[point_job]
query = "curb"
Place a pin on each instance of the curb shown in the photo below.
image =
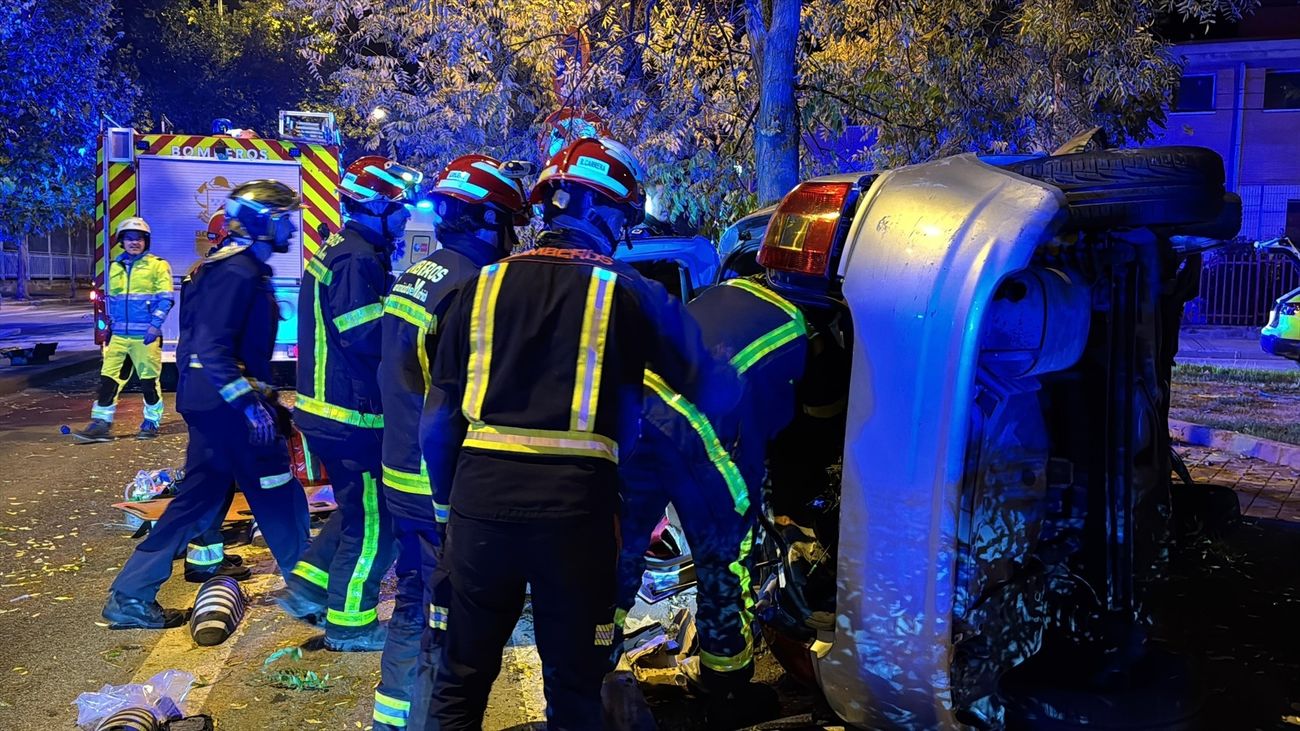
(1279, 453)
(75, 363)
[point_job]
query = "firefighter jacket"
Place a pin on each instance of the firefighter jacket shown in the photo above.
(228, 323)
(765, 339)
(139, 293)
(412, 310)
(537, 383)
(339, 335)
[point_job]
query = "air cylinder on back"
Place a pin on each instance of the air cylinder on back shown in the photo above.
(218, 609)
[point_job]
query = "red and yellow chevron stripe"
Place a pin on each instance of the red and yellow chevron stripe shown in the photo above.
(319, 170)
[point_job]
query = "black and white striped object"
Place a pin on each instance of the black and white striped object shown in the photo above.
(218, 609)
(129, 719)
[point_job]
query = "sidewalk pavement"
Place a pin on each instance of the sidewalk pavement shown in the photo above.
(67, 322)
(1235, 347)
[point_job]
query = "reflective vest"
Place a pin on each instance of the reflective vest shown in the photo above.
(765, 338)
(340, 338)
(140, 294)
(410, 328)
(541, 367)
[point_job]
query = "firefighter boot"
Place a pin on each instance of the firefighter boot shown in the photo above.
(301, 607)
(232, 566)
(148, 430)
(97, 430)
(123, 612)
(370, 638)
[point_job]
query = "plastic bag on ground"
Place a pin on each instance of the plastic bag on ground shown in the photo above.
(164, 694)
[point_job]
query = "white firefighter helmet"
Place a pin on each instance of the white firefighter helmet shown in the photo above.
(134, 223)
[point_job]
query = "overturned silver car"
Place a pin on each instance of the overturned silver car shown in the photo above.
(998, 486)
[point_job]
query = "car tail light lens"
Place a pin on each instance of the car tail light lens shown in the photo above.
(802, 231)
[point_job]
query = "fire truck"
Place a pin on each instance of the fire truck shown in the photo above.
(178, 182)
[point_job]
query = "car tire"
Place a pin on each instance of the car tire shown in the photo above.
(1157, 186)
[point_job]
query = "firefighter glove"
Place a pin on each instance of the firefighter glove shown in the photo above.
(152, 334)
(261, 425)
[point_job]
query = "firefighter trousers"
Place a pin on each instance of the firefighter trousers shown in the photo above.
(146, 360)
(218, 453)
(661, 471)
(569, 566)
(344, 565)
(405, 675)
(207, 550)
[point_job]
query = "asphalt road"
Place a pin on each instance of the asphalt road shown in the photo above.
(1231, 605)
(60, 545)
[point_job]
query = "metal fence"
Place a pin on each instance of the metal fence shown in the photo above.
(54, 255)
(1240, 288)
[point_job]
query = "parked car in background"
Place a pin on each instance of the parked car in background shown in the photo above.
(1281, 336)
(1001, 490)
(683, 264)
(739, 243)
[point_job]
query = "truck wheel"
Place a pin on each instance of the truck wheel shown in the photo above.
(1157, 186)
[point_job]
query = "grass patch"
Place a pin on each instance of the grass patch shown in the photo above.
(1255, 402)
(1289, 433)
(1241, 376)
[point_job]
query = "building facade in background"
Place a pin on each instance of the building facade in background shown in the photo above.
(1240, 96)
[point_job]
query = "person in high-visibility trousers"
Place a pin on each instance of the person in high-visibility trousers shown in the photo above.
(536, 391)
(228, 320)
(476, 207)
(339, 408)
(139, 297)
(712, 475)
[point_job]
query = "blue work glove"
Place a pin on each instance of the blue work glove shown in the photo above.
(261, 424)
(152, 334)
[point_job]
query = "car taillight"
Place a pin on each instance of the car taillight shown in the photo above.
(802, 231)
(94, 295)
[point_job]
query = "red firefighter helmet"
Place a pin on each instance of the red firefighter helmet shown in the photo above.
(599, 164)
(478, 180)
(375, 177)
(217, 227)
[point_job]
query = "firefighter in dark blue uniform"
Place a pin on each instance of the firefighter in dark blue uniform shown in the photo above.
(682, 457)
(339, 410)
(536, 392)
(228, 321)
(477, 207)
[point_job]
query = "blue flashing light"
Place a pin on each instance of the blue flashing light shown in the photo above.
(425, 205)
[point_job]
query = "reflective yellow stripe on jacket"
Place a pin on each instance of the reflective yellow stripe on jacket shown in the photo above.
(580, 439)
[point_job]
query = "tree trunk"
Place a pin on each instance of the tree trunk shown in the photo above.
(776, 138)
(24, 269)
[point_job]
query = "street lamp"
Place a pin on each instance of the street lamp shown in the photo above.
(378, 114)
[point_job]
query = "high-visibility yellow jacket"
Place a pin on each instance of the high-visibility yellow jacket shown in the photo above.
(139, 293)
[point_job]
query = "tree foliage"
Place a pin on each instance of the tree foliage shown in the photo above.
(680, 81)
(671, 79)
(58, 84)
(936, 77)
(197, 61)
